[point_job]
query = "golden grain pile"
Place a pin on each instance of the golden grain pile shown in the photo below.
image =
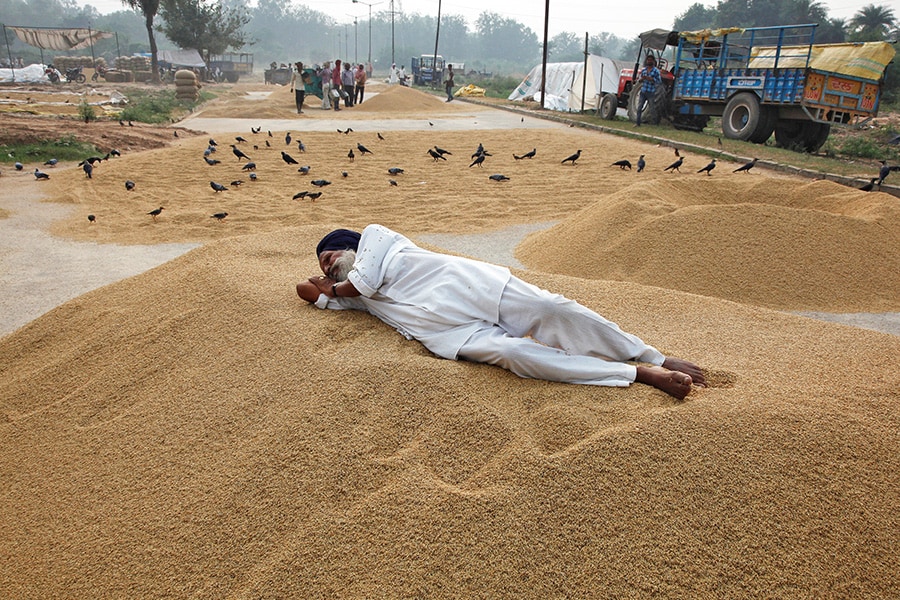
(198, 431)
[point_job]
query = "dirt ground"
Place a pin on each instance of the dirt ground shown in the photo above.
(195, 430)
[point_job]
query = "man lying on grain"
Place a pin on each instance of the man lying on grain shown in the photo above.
(466, 309)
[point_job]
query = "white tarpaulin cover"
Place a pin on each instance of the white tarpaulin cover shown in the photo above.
(565, 81)
(181, 58)
(48, 38)
(30, 74)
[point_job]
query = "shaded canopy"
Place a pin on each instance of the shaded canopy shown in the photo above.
(53, 38)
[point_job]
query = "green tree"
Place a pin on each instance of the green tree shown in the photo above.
(148, 8)
(872, 23)
(506, 39)
(209, 27)
(696, 17)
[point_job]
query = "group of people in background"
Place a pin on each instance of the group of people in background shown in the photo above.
(341, 82)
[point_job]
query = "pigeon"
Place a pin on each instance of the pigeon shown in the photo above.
(250, 166)
(92, 218)
(442, 152)
(478, 160)
(209, 150)
(237, 152)
(288, 158)
(212, 142)
(211, 161)
(240, 139)
(320, 182)
(350, 155)
(746, 166)
(19, 166)
(88, 169)
(708, 168)
(299, 195)
(129, 185)
(218, 187)
(869, 186)
(641, 163)
(526, 155)
(219, 216)
(363, 150)
(622, 164)
(392, 182)
(301, 146)
(287, 139)
(257, 130)
(395, 171)
(572, 158)
(314, 196)
(435, 155)
(499, 177)
(237, 182)
(40, 175)
(155, 212)
(675, 166)
(51, 163)
(304, 170)
(252, 176)
(380, 137)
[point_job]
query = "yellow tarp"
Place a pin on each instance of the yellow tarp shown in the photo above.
(469, 90)
(864, 60)
(704, 34)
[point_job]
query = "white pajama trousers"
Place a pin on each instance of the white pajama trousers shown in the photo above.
(542, 335)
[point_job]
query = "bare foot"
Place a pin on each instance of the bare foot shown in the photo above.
(674, 383)
(686, 367)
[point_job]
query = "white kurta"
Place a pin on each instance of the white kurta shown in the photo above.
(462, 308)
(437, 299)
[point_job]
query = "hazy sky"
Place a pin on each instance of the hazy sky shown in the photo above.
(624, 19)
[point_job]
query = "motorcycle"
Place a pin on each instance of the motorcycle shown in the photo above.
(52, 73)
(75, 74)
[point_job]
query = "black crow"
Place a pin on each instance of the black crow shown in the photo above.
(240, 139)
(395, 171)
(320, 182)
(40, 175)
(129, 185)
(442, 152)
(526, 155)
(299, 195)
(268, 145)
(380, 137)
(92, 218)
(363, 150)
(218, 187)
(869, 186)
(435, 155)
(155, 212)
(641, 163)
(288, 158)
(350, 155)
(622, 164)
(746, 166)
(240, 155)
(115, 152)
(344, 174)
(212, 142)
(250, 166)
(499, 177)
(478, 160)
(287, 139)
(219, 216)
(572, 158)
(708, 168)
(257, 130)
(675, 166)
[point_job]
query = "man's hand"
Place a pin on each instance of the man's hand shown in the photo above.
(310, 289)
(323, 284)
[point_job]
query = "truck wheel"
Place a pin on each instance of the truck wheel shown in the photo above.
(231, 77)
(652, 111)
(768, 117)
(741, 117)
(608, 106)
(801, 135)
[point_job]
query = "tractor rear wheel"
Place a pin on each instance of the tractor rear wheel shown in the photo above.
(741, 117)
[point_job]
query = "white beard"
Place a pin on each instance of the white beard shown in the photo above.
(343, 265)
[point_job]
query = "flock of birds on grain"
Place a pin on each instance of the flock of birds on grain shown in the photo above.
(437, 153)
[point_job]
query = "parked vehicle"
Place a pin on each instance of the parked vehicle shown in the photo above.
(75, 74)
(760, 80)
(427, 69)
(232, 66)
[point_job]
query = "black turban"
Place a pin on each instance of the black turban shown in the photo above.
(339, 239)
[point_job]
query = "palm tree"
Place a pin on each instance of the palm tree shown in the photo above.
(149, 8)
(872, 23)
